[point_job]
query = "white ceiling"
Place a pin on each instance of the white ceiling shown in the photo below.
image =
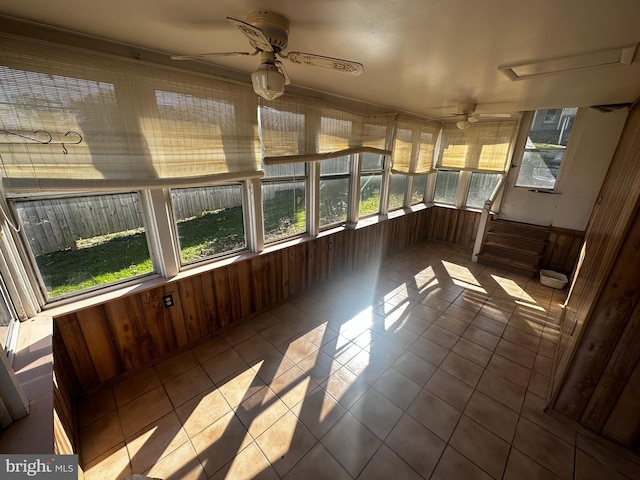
(420, 56)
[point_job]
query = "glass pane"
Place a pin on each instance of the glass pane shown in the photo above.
(335, 166)
(209, 221)
(84, 242)
(285, 170)
(419, 186)
(370, 194)
(334, 200)
(372, 162)
(551, 128)
(446, 185)
(546, 144)
(396, 196)
(481, 188)
(284, 211)
(539, 168)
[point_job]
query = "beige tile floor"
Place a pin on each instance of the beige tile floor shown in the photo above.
(427, 366)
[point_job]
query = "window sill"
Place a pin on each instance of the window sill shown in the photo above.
(453, 207)
(548, 191)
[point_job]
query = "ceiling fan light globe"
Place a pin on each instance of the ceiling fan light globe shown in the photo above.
(463, 124)
(268, 82)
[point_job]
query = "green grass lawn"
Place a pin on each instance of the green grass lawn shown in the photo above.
(111, 258)
(115, 257)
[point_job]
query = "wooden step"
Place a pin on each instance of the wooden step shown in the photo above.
(525, 230)
(513, 253)
(535, 246)
(521, 268)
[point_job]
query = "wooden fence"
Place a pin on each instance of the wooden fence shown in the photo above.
(52, 225)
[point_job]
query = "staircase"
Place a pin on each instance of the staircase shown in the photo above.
(513, 246)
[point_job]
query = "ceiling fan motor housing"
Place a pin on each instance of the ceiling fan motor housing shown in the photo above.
(466, 108)
(274, 26)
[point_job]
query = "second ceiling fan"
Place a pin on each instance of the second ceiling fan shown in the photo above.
(467, 110)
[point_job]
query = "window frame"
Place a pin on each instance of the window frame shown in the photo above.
(370, 173)
(210, 258)
(11, 340)
(403, 204)
(32, 270)
(261, 232)
(526, 124)
(349, 175)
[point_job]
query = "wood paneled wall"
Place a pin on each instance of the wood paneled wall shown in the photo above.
(597, 377)
(97, 344)
(562, 252)
(453, 226)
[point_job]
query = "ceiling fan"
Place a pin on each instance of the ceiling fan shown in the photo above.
(467, 110)
(268, 34)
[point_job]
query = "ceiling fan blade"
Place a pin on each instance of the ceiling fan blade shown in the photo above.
(283, 71)
(472, 119)
(494, 115)
(214, 54)
(336, 64)
(254, 34)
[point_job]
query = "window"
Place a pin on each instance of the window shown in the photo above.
(480, 188)
(209, 221)
(396, 195)
(370, 183)
(471, 161)
(284, 201)
(8, 322)
(334, 190)
(417, 191)
(446, 186)
(545, 149)
(550, 116)
(81, 242)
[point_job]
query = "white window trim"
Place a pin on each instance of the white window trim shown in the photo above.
(353, 212)
(520, 148)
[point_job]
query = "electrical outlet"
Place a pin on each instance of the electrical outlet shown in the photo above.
(330, 245)
(168, 300)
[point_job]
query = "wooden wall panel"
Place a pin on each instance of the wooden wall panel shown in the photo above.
(175, 314)
(193, 308)
(562, 252)
(235, 297)
(65, 388)
(223, 296)
(609, 318)
(618, 371)
(596, 381)
(453, 226)
(76, 347)
(245, 286)
(623, 425)
(158, 321)
(209, 297)
(130, 333)
(96, 332)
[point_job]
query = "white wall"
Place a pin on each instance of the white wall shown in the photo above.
(591, 147)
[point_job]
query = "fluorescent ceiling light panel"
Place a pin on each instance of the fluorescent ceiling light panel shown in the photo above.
(522, 71)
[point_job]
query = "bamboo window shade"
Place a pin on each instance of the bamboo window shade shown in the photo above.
(413, 147)
(482, 147)
(141, 125)
(296, 129)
